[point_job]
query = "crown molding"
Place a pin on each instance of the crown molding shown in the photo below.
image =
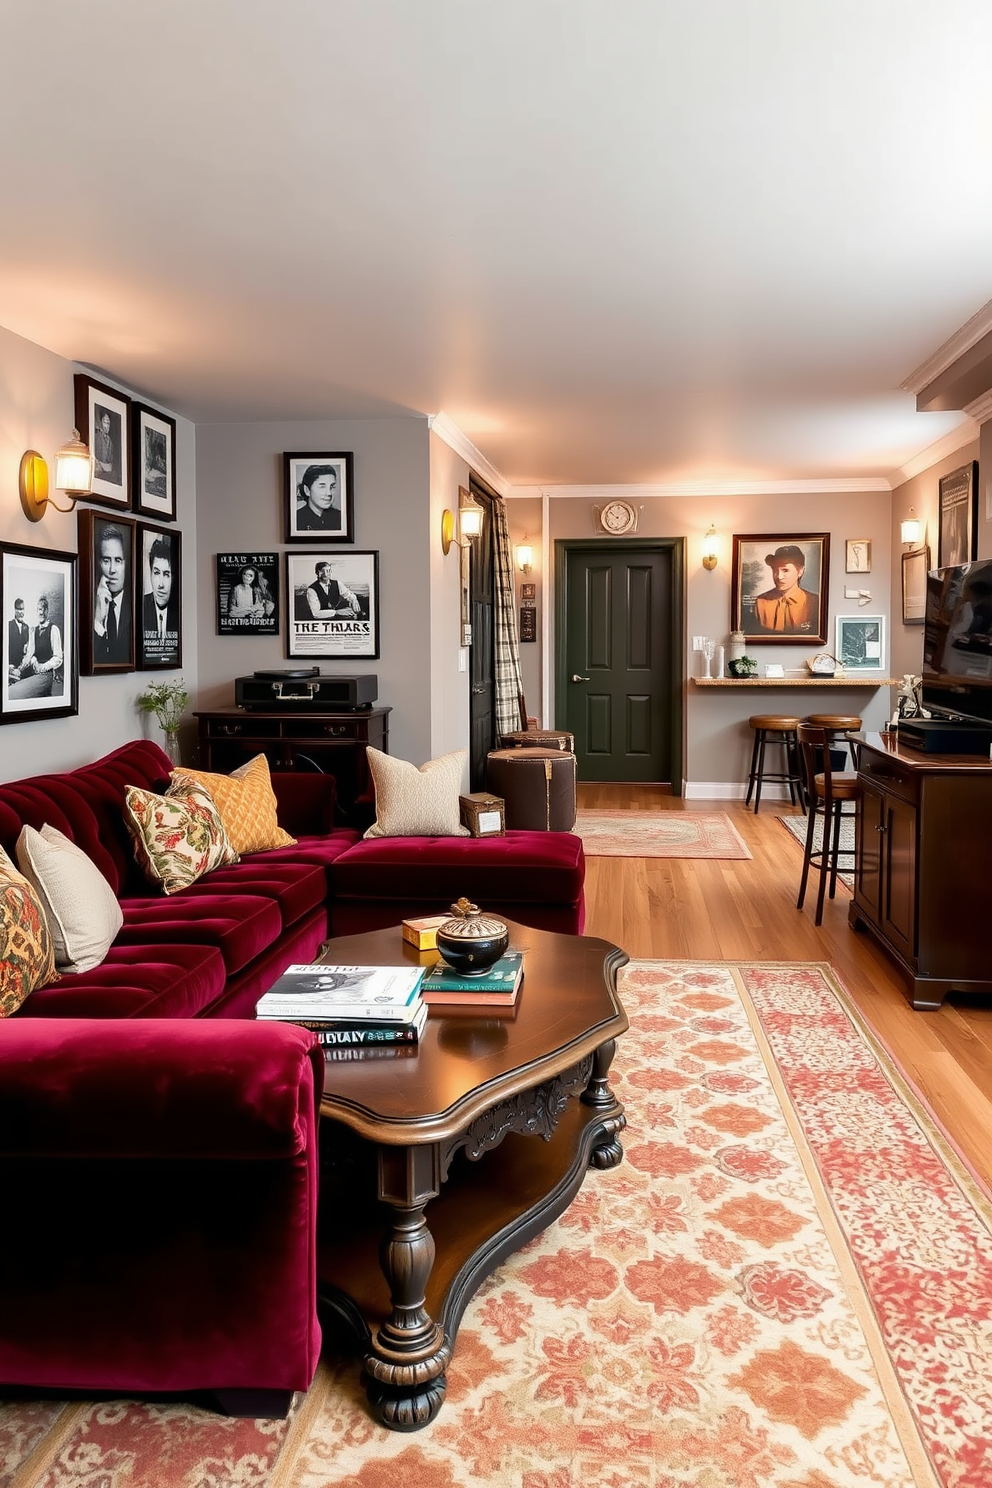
(955, 346)
(981, 408)
(446, 429)
(825, 486)
(965, 433)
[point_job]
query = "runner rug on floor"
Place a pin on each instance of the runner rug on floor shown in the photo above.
(796, 826)
(787, 1283)
(659, 834)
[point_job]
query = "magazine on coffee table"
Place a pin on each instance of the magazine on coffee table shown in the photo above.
(323, 993)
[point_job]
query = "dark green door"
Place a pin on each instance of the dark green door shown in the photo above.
(619, 646)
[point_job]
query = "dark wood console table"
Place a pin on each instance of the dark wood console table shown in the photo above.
(333, 743)
(924, 825)
(441, 1161)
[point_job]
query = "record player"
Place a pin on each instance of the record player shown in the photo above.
(306, 689)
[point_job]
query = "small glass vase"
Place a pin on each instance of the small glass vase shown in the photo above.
(172, 748)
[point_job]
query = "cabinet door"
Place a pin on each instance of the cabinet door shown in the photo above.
(868, 866)
(898, 903)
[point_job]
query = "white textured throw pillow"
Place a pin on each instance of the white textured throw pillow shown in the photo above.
(83, 913)
(417, 803)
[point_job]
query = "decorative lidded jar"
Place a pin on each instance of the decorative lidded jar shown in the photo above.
(472, 941)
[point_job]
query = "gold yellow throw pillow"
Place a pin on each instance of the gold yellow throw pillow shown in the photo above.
(178, 837)
(246, 803)
(27, 956)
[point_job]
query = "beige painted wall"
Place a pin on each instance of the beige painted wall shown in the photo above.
(449, 698)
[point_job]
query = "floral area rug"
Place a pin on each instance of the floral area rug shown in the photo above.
(659, 834)
(796, 827)
(787, 1283)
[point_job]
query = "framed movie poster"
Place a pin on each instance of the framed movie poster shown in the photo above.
(38, 602)
(103, 418)
(106, 593)
(320, 497)
(332, 603)
(247, 593)
(860, 643)
(779, 587)
(153, 441)
(957, 516)
(160, 599)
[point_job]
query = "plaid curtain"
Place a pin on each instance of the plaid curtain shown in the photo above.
(509, 683)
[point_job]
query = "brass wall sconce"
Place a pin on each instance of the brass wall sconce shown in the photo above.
(525, 556)
(910, 528)
(469, 526)
(73, 475)
(711, 548)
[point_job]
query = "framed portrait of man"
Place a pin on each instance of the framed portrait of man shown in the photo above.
(153, 441)
(319, 497)
(159, 631)
(40, 674)
(106, 593)
(779, 587)
(332, 601)
(103, 418)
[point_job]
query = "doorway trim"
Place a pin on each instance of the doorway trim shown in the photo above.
(675, 548)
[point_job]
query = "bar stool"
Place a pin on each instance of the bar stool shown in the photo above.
(844, 726)
(828, 791)
(780, 730)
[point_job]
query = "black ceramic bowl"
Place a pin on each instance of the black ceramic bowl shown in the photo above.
(471, 941)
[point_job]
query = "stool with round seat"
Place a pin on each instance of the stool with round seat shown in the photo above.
(778, 729)
(828, 791)
(845, 727)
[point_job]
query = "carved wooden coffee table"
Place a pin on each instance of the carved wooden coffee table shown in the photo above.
(430, 1171)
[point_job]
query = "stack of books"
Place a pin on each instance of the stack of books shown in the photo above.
(350, 1006)
(496, 987)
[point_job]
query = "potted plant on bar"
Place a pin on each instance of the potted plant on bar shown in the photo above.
(168, 701)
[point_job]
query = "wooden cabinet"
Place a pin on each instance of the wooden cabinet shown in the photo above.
(924, 829)
(331, 743)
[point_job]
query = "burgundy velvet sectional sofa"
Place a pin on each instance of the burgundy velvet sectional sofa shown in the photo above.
(158, 1148)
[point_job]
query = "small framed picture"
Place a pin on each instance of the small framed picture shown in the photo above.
(40, 655)
(319, 497)
(106, 593)
(332, 601)
(860, 643)
(247, 593)
(779, 587)
(528, 591)
(528, 623)
(103, 418)
(153, 445)
(857, 555)
(957, 514)
(160, 633)
(915, 567)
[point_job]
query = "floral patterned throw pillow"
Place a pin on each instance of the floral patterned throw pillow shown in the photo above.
(27, 957)
(178, 837)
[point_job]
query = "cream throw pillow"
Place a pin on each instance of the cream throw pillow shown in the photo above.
(417, 803)
(82, 909)
(246, 803)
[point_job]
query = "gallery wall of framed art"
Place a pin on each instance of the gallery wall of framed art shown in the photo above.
(40, 665)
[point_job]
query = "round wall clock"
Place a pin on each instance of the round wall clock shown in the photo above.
(618, 517)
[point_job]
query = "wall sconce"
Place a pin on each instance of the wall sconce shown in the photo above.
(711, 548)
(469, 525)
(525, 556)
(910, 528)
(73, 475)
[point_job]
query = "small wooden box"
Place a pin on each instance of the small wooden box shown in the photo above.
(483, 814)
(422, 933)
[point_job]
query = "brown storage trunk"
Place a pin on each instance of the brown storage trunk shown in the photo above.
(538, 787)
(539, 739)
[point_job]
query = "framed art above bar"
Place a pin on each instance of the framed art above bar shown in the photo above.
(320, 497)
(247, 593)
(103, 418)
(332, 602)
(860, 643)
(153, 441)
(40, 677)
(957, 516)
(779, 587)
(106, 593)
(160, 594)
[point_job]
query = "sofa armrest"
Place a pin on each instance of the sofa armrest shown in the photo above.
(161, 1088)
(305, 802)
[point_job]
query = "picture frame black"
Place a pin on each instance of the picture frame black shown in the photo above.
(915, 567)
(158, 592)
(106, 574)
(785, 604)
(103, 418)
(319, 497)
(40, 670)
(247, 590)
(329, 623)
(957, 516)
(153, 453)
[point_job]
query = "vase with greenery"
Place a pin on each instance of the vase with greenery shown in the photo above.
(168, 701)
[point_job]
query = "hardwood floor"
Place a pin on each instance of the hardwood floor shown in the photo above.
(717, 909)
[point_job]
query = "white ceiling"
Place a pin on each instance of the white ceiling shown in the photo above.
(614, 240)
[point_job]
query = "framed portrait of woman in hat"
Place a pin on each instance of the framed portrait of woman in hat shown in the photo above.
(779, 588)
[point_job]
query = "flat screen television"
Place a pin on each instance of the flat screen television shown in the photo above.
(957, 642)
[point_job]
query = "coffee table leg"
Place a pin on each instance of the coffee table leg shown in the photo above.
(406, 1361)
(608, 1152)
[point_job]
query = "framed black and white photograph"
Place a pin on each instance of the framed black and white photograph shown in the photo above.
(857, 555)
(779, 587)
(319, 497)
(332, 602)
(957, 516)
(103, 418)
(38, 601)
(247, 593)
(106, 593)
(159, 592)
(860, 643)
(153, 442)
(915, 567)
